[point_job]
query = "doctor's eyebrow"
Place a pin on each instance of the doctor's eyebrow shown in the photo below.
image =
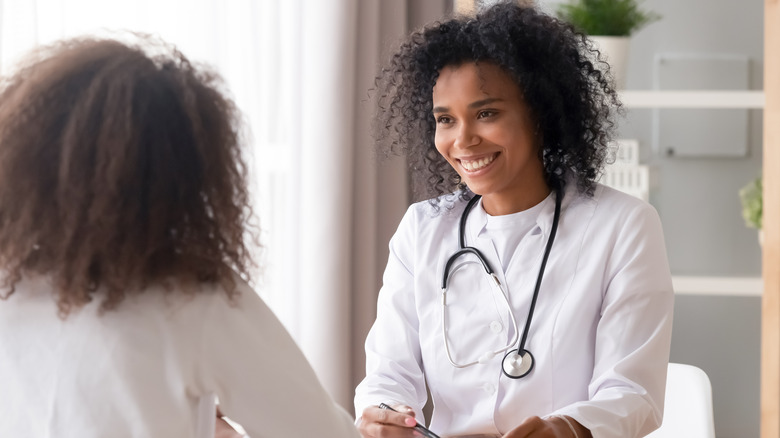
(472, 105)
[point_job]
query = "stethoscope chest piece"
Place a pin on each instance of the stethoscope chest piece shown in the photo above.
(517, 365)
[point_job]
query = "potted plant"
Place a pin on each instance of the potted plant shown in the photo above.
(751, 197)
(609, 24)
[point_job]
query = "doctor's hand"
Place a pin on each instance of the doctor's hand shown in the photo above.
(384, 423)
(551, 427)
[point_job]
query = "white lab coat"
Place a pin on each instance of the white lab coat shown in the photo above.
(600, 333)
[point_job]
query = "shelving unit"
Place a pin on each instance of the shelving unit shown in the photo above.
(702, 285)
(724, 286)
(692, 99)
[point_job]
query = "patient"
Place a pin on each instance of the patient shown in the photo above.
(123, 262)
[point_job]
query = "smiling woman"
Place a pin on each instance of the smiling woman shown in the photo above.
(528, 299)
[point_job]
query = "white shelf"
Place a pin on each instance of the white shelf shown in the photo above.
(692, 99)
(729, 286)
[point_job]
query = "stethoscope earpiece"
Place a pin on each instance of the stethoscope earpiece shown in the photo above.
(517, 365)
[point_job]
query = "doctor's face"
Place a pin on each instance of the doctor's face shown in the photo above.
(484, 129)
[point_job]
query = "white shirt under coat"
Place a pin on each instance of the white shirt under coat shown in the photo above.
(600, 333)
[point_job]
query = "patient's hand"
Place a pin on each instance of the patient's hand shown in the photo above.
(223, 429)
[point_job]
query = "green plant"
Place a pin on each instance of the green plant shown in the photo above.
(752, 203)
(606, 17)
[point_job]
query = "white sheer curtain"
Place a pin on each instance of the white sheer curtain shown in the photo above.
(253, 45)
(300, 71)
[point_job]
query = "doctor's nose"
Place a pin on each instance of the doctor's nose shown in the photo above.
(466, 136)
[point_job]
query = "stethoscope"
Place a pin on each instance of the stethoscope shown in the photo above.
(519, 362)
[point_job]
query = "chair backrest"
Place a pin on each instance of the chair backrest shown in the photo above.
(687, 405)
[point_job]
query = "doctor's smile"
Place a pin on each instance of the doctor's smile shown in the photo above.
(474, 165)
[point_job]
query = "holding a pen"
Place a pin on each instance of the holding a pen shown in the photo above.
(416, 426)
(401, 420)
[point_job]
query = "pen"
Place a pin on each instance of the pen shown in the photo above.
(419, 428)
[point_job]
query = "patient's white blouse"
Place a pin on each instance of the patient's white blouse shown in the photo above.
(600, 333)
(153, 367)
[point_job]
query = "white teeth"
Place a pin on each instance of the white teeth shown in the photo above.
(471, 166)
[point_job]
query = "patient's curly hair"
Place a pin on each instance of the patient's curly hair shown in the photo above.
(570, 98)
(120, 166)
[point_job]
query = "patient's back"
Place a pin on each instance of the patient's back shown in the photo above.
(152, 368)
(135, 372)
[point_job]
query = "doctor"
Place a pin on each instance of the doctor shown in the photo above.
(532, 301)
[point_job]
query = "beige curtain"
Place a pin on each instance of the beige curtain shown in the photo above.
(351, 202)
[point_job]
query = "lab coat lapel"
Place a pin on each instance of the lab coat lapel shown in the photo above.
(471, 317)
(546, 216)
(476, 224)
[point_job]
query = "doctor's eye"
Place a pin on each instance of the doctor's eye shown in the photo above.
(486, 113)
(443, 120)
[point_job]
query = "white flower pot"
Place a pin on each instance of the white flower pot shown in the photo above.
(614, 50)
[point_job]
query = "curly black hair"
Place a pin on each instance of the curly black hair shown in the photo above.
(570, 94)
(120, 166)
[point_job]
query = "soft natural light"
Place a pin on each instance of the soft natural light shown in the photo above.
(252, 45)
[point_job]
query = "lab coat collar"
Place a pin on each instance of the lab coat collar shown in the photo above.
(546, 216)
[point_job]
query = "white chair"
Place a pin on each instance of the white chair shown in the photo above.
(687, 405)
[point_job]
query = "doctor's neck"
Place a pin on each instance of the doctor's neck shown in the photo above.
(500, 204)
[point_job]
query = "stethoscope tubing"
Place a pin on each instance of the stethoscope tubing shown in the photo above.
(547, 249)
(515, 337)
(463, 249)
